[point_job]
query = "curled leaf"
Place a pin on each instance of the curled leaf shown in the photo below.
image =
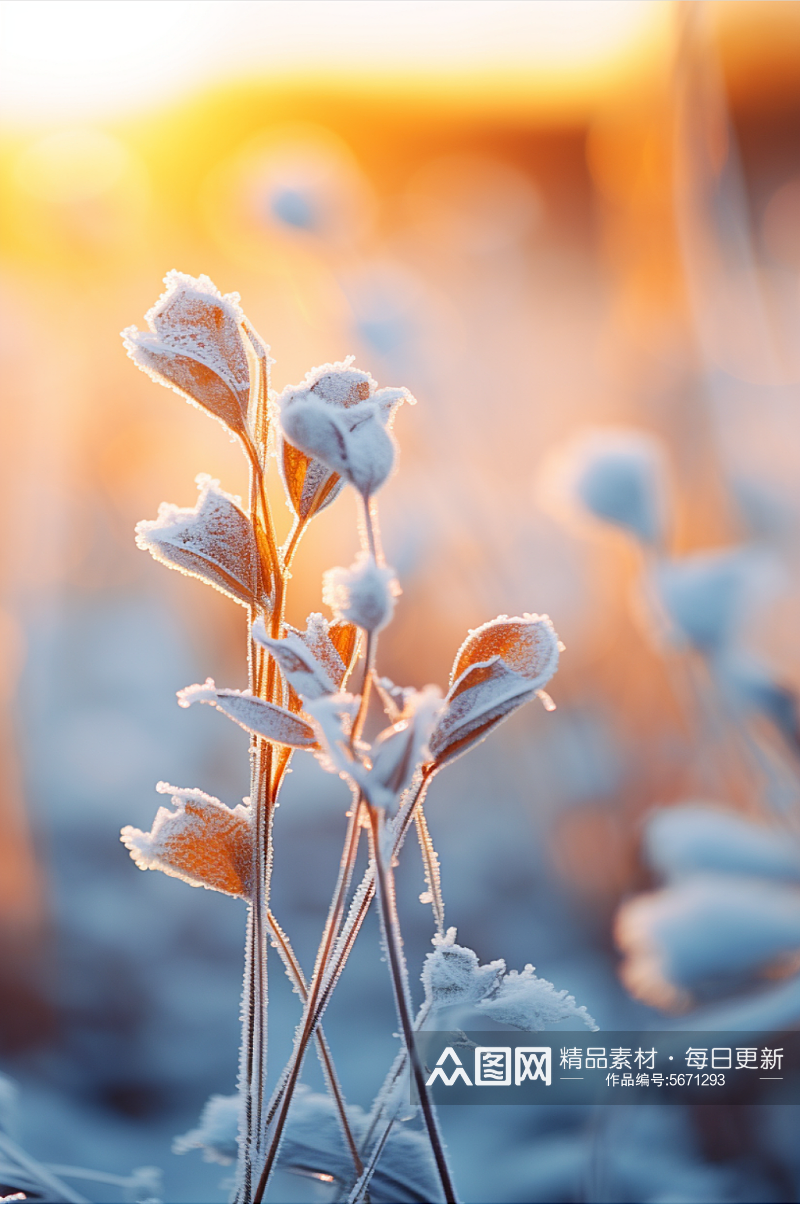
(203, 842)
(213, 541)
(452, 975)
(310, 485)
(255, 715)
(195, 345)
(500, 666)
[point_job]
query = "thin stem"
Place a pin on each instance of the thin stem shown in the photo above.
(295, 973)
(329, 935)
(390, 924)
(430, 861)
(366, 689)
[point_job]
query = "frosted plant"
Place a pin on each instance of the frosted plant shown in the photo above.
(727, 916)
(332, 430)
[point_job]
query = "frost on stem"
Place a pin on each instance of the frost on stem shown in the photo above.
(452, 976)
(335, 425)
(364, 594)
(500, 666)
(213, 540)
(315, 662)
(203, 842)
(255, 715)
(196, 346)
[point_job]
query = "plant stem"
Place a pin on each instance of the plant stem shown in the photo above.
(295, 973)
(283, 1097)
(390, 924)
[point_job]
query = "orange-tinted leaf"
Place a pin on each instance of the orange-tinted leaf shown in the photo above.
(203, 842)
(527, 644)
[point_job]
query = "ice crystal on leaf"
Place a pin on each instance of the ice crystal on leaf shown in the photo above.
(524, 1000)
(500, 666)
(203, 842)
(364, 594)
(452, 974)
(255, 715)
(213, 541)
(197, 346)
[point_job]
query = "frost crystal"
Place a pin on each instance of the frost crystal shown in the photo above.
(196, 346)
(203, 842)
(364, 594)
(254, 714)
(214, 541)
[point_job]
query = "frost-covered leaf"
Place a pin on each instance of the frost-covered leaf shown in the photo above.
(364, 594)
(214, 541)
(526, 644)
(254, 714)
(216, 1135)
(299, 666)
(314, 1143)
(203, 842)
(500, 666)
(195, 345)
(682, 841)
(452, 975)
(337, 419)
(524, 1000)
(400, 749)
(310, 485)
(702, 928)
(332, 717)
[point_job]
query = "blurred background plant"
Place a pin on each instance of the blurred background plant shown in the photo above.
(546, 219)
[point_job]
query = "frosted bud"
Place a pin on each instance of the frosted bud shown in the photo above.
(203, 842)
(501, 665)
(705, 597)
(197, 344)
(618, 476)
(693, 838)
(701, 928)
(264, 719)
(364, 594)
(334, 427)
(213, 541)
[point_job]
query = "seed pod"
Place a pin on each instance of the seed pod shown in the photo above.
(213, 541)
(500, 666)
(204, 842)
(364, 594)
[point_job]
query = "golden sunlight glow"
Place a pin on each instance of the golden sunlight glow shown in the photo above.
(73, 58)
